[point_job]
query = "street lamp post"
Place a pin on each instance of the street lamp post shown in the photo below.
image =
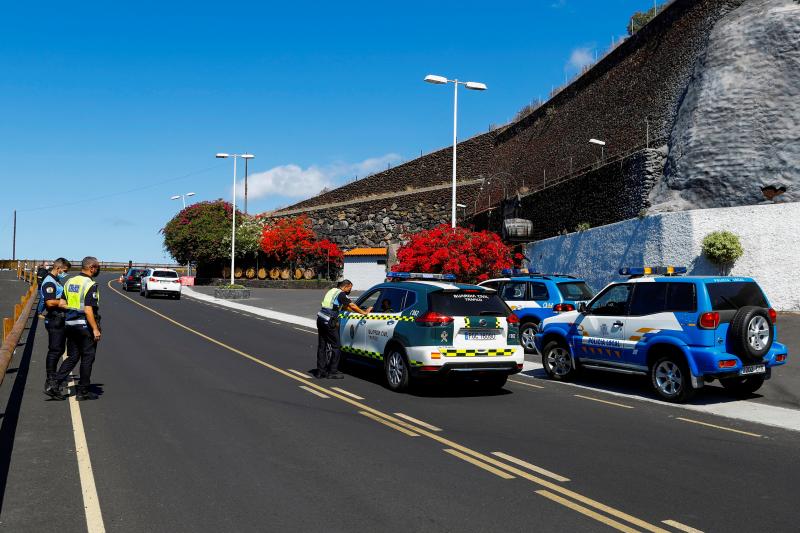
(183, 198)
(602, 145)
(472, 85)
(233, 225)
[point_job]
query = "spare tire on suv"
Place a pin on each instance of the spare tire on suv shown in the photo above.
(751, 333)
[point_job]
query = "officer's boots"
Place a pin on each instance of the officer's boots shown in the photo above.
(83, 394)
(53, 389)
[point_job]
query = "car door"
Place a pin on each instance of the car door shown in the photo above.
(601, 333)
(353, 326)
(383, 319)
(657, 308)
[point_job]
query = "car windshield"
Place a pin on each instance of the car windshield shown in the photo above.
(165, 274)
(575, 290)
(468, 303)
(136, 272)
(730, 296)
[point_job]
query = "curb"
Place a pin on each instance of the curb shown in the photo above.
(266, 313)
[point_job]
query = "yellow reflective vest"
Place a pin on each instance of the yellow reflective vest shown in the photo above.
(75, 290)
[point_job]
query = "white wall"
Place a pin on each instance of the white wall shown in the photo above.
(770, 235)
(364, 271)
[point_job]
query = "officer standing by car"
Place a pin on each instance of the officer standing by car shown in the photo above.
(51, 302)
(334, 302)
(82, 326)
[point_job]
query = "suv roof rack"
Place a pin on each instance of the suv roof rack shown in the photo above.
(411, 276)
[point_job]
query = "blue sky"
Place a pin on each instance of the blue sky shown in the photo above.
(108, 109)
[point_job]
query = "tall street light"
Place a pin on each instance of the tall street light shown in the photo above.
(602, 145)
(472, 85)
(182, 197)
(233, 225)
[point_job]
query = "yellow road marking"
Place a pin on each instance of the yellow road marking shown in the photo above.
(585, 511)
(303, 374)
(347, 393)
(91, 503)
(418, 422)
(479, 464)
(526, 384)
(389, 424)
(433, 436)
(603, 401)
(312, 391)
(718, 427)
(681, 527)
(530, 466)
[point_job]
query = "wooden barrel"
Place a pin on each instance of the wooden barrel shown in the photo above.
(250, 273)
(262, 273)
(286, 273)
(308, 273)
(237, 273)
(226, 272)
(274, 273)
(298, 273)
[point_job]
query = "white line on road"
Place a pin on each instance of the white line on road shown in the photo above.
(526, 384)
(301, 374)
(312, 391)
(347, 393)
(305, 330)
(681, 527)
(418, 422)
(603, 401)
(717, 427)
(529, 466)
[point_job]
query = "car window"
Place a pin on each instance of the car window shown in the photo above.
(613, 301)
(390, 301)
(165, 274)
(539, 291)
(681, 297)
(468, 303)
(410, 300)
(370, 300)
(575, 291)
(649, 298)
(730, 296)
(514, 290)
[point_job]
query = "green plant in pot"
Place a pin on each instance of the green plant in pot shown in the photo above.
(722, 248)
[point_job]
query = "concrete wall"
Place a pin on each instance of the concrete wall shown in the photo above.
(770, 235)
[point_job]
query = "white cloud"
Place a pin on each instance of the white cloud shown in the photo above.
(293, 181)
(580, 58)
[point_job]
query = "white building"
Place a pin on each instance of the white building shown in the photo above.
(365, 267)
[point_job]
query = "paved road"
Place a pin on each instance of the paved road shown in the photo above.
(10, 291)
(203, 427)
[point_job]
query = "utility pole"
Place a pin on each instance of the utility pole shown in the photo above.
(14, 239)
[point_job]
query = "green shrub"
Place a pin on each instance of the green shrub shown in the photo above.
(229, 286)
(722, 247)
(583, 226)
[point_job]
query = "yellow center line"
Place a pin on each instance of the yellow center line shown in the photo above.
(302, 374)
(418, 422)
(585, 511)
(389, 424)
(312, 391)
(526, 384)
(603, 401)
(347, 393)
(529, 466)
(479, 464)
(433, 436)
(718, 427)
(681, 527)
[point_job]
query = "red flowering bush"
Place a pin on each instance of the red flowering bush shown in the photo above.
(291, 240)
(201, 232)
(470, 255)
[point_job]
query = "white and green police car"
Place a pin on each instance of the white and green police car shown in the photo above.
(425, 325)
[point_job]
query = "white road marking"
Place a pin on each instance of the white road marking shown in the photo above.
(718, 427)
(418, 422)
(312, 391)
(681, 527)
(301, 374)
(305, 330)
(479, 464)
(386, 423)
(529, 466)
(347, 393)
(603, 401)
(526, 384)
(91, 503)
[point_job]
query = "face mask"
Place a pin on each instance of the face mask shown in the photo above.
(62, 276)
(96, 272)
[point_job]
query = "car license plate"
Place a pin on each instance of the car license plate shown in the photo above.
(752, 369)
(479, 336)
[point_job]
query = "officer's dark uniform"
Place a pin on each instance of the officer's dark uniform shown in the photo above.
(51, 289)
(328, 332)
(80, 291)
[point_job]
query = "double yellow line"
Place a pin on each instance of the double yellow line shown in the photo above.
(554, 492)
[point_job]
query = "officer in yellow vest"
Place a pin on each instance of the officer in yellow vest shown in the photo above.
(82, 326)
(334, 302)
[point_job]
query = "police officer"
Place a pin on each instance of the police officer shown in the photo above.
(82, 326)
(51, 302)
(334, 302)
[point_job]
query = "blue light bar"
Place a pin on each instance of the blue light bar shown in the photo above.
(419, 275)
(518, 272)
(647, 271)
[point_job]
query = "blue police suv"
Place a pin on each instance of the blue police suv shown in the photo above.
(680, 331)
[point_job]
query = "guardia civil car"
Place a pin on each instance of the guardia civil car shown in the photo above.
(534, 297)
(425, 325)
(682, 332)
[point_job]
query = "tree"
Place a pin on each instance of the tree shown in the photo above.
(198, 233)
(640, 18)
(248, 236)
(470, 255)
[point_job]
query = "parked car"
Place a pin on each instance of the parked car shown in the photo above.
(534, 297)
(426, 326)
(132, 279)
(682, 332)
(161, 281)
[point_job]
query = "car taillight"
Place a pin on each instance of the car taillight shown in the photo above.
(432, 319)
(709, 320)
(772, 315)
(130, 278)
(152, 279)
(563, 308)
(512, 319)
(727, 363)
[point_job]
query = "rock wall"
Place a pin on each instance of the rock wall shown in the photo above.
(737, 127)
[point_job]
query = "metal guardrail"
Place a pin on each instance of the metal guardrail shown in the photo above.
(29, 265)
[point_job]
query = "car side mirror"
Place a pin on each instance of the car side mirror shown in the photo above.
(582, 307)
